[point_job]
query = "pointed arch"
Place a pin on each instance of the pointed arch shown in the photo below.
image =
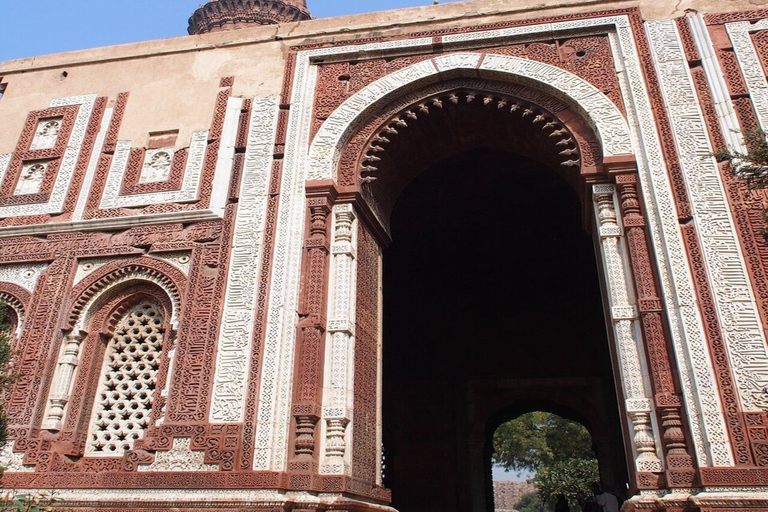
(17, 299)
(89, 293)
(125, 308)
(600, 113)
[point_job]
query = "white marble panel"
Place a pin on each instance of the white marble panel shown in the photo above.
(233, 357)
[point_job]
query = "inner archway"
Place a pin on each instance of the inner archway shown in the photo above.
(491, 298)
(542, 461)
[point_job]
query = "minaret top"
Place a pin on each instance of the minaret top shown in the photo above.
(217, 15)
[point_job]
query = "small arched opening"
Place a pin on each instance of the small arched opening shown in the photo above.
(538, 448)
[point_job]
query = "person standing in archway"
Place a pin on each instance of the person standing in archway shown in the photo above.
(606, 500)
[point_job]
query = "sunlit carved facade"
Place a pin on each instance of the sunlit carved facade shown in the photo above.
(199, 247)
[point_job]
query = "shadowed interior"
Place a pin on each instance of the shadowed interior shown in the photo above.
(492, 305)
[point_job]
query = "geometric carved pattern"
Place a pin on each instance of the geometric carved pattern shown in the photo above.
(179, 458)
(687, 326)
(624, 318)
(168, 277)
(588, 57)
(734, 300)
(628, 45)
(124, 399)
(234, 349)
(25, 275)
(366, 449)
(339, 363)
(124, 158)
(47, 158)
(274, 399)
(162, 171)
(750, 65)
(674, 439)
(280, 340)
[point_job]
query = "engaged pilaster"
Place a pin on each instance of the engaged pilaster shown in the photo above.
(338, 381)
(62, 380)
(626, 331)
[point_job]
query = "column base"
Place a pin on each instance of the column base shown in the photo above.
(200, 500)
(709, 500)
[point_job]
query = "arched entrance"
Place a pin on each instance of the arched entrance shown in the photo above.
(491, 300)
(359, 166)
(558, 451)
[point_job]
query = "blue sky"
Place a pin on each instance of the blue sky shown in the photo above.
(38, 27)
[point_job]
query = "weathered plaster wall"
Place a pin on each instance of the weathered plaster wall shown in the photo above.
(166, 77)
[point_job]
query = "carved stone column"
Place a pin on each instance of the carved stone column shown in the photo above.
(339, 355)
(680, 470)
(61, 387)
(309, 360)
(626, 331)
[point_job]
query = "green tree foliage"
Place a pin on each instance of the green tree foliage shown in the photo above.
(570, 477)
(531, 502)
(538, 439)
(557, 450)
(752, 165)
(7, 375)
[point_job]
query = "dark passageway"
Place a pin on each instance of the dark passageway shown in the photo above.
(491, 296)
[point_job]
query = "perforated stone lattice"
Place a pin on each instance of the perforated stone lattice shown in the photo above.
(127, 384)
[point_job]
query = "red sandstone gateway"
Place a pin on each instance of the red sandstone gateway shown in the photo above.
(242, 266)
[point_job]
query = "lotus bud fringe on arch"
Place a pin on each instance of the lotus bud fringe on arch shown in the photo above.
(218, 15)
(568, 148)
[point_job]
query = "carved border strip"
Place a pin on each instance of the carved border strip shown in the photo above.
(366, 449)
(132, 185)
(236, 334)
(24, 398)
(17, 299)
(90, 173)
(68, 163)
(343, 122)
(77, 185)
(704, 412)
(624, 315)
(24, 155)
(722, 258)
(341, 308)
(111, 197)
(5, 162)
(273, 415)
(749, 63)
(149, 499)
(166, 276)
(726, 115)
